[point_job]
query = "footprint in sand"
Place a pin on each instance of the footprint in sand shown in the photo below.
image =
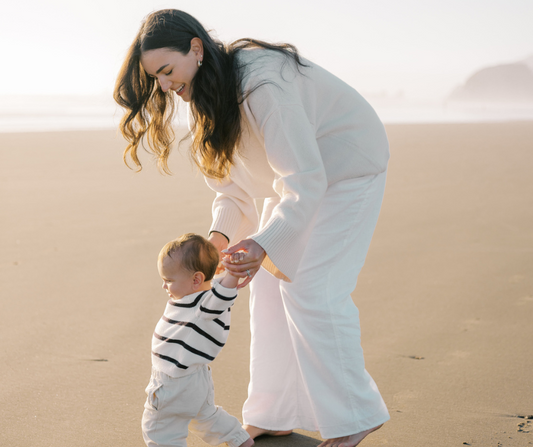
(524, 427)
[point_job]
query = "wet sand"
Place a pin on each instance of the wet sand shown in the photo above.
(446, 295)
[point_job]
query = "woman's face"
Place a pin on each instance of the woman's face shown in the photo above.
(174, 70)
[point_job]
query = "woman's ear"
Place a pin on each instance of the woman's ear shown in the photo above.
(197, 280)
(197, 46)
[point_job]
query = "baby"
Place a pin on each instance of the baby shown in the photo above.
(189, 335)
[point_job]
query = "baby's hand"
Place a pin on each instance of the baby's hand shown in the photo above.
(235, 258)
(231, 281)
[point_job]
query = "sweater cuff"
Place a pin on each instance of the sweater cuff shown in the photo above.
(215, 231)
(227, 292)
(280, 242)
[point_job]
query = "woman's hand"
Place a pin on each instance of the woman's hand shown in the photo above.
(221, 243)
(248, 265)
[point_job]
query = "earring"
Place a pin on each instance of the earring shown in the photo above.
(200, 62)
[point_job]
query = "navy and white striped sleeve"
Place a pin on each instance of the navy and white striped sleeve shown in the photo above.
(216, 301)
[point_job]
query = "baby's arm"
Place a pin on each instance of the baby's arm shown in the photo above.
(222, 295)
(229, 281)
(220, 298)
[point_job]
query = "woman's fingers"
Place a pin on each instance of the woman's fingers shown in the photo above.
(242, 268)
(235, 258)
(240, 261)
(254, 252)
(244, 283)
(243, 260)
(242, 245)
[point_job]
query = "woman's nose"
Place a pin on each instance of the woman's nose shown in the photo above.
(165, 85)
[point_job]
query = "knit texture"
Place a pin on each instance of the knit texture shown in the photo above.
(302, 131)
(192, 330)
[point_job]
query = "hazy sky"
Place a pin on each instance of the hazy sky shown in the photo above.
(423, 48)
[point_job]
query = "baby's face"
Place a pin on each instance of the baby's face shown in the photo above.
(177, 281)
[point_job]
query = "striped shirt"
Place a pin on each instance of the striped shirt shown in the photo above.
(193, 330)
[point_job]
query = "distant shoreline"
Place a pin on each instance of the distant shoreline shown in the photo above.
(60, 114)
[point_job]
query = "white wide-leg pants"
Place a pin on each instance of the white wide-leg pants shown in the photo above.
(307, 367)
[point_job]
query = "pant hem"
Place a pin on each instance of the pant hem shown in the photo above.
(238, 439)
(353, 428)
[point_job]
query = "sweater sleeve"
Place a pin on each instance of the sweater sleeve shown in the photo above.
(294, 156)
(216, 301)
(234, 211)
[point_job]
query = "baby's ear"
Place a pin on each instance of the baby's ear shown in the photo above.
(198, 279)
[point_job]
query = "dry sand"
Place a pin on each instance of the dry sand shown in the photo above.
(446, 295)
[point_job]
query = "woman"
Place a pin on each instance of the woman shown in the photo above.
(268, 124)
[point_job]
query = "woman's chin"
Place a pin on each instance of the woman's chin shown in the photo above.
(185, 96)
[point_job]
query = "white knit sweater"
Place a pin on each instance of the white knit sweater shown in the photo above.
(193, 330)
(301, 132)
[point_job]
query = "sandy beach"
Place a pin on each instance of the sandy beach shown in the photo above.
(446, 294)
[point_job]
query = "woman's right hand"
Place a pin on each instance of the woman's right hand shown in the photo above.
(244, 266)
(221, 243)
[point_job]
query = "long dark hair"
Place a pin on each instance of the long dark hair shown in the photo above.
(216, 93)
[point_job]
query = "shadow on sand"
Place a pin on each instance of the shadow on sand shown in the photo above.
(292, 440)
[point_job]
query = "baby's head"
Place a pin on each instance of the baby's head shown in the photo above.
(187, 265)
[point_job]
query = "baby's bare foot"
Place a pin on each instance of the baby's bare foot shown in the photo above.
(348, 441)
(254, 432)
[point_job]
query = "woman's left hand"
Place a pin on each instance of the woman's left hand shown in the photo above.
(249, 265)
(221, 243)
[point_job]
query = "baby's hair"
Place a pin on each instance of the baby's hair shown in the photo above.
(194, 252)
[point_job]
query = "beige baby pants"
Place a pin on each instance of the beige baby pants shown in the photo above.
(176, 405)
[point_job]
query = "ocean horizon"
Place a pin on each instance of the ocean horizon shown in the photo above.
(71, 113)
